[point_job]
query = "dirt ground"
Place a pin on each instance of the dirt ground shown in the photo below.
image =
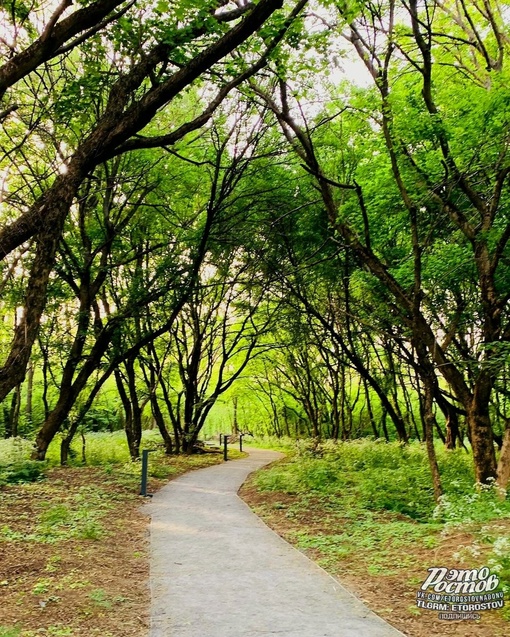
(74, 554)
(391, 595)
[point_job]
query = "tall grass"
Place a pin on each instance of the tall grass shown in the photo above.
(101, 449)
(271, 442)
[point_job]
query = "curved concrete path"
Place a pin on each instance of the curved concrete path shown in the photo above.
(218, 571)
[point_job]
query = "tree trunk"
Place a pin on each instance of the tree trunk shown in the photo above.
(69, 392)
(429, 424)
(160, 422)
(235, 424)
(136, 433)
(30, 394)
(388, 409)
(15, 409)
(65, 445)
(83, 447)
(189, 440)
(7, 411)
(480, 429)
(51, 425)
(14, 370)
(370, 411)
(383, 424)
(285, 417)
(452, 420)
(430, 385)
(504, 460)
(133, 423)
(45, 370)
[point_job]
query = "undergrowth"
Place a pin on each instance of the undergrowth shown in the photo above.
(15, 463)
(278, 443)
(379, 497)
(380, 476)
(107, 450)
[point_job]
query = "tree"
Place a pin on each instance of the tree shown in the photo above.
(134, 252)
(156, 75)
(435, 176)
(219, 331)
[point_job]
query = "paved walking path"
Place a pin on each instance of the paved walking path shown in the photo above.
(218, 571)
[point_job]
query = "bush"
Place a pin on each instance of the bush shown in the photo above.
(478, 503)
(15, 463)
(28, 471)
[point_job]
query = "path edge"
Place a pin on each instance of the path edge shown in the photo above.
(335, 580)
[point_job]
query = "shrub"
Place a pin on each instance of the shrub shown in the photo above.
(478, 503)
(15, 463)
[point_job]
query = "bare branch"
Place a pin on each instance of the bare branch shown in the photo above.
(54, 18)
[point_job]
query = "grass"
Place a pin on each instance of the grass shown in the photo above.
(282, 443)
(15, 463)
(365, 511)
(9, 632)
(106, 450)
(380, 476)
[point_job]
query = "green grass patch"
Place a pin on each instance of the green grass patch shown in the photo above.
(282, 443)
(5, 631)
(376, 537)
(106, 450)
(76, 517)
(67, 527)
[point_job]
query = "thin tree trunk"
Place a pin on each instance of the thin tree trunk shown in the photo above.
(383, 424)
(83, 448)
(30, 394)
(235, 424)
(6, 421)
(429, 421)
(430, 385)
(368, 402)
(128, 412)
(134, 434)
(8, 417)
(16, 405)
(160, 422)
(65, 446)
(45, 368)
